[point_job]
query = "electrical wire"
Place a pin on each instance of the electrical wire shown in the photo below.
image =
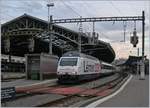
(91, 25)
(104, 35)
(70, 7)
(115, 7)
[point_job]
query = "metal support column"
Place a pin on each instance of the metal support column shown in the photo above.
(50, 36)
(79, 36)
(50, 27)
(143, 32)
(143, 37)
(93, 34)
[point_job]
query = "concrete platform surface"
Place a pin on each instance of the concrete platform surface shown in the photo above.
(9, 75)
(24, 82)
(135, 94)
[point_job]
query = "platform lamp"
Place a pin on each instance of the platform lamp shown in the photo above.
(50, 26)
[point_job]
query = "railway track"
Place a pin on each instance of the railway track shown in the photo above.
(68, 95)
(100, 91)
(28, 89)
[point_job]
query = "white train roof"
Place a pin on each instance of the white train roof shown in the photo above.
(77, 54)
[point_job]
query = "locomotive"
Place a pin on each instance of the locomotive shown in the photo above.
(75, 67)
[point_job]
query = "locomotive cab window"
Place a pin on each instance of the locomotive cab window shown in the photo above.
(68, 62)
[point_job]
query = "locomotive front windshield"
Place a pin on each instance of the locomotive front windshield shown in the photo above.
(68, 62)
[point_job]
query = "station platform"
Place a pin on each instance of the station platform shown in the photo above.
(25, 83)
(12, 75)
(134, 94)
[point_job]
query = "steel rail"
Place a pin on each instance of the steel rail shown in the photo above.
(72, 99)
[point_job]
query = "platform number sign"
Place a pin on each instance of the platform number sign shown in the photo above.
(7, 94)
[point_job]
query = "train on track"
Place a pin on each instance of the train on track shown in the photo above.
(75, 67)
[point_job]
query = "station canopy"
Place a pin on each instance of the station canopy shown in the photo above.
(25, 27)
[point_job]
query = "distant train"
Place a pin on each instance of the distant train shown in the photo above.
(75, 67)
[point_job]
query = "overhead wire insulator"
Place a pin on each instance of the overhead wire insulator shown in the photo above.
(134, 31)
(80, 26)
(135, 25)
(113, 23)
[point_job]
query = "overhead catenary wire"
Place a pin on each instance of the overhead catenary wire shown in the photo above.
(124, 22)
(73, 11)
(70, 8)
(118, 10)
(104, 35)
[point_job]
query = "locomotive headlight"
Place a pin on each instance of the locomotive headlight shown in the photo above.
(73, 72)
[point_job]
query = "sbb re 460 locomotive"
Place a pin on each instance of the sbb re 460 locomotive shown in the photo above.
(74, 67)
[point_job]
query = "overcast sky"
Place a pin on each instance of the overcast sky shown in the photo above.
(111, 32)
